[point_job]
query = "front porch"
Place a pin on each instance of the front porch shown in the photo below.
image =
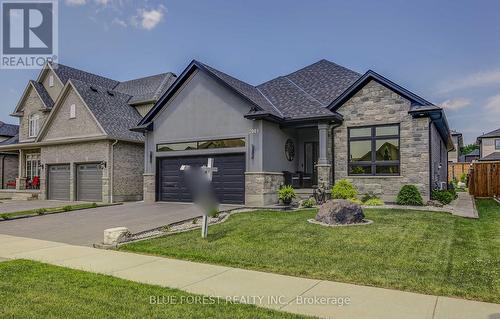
(21, 178)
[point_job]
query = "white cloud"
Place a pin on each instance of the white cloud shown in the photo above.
(479, 79)
(119, 22)
(493, 104)
(75, 3)
(102, 2)
(148, 19)
(456, 104)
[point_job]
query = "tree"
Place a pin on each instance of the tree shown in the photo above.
(469, 148)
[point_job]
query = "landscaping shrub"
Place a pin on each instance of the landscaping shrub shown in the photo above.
(94, 205)
(355, 201)
(409, 195)
(367, 197)
(308, 203)
(40, 211)
(344, 189)
(463, 178)
(67, 208)
(5, 216)
(286, 194)
(374, 202)
(443, 196)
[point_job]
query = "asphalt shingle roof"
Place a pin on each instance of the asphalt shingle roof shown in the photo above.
(111, 110)
(8, 129)
(491, 157)
(13, 140)
(65, 73)
(146, 89)
(44, 95)
(495, 133)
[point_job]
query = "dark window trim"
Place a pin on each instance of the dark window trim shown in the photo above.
(197, 143)
(497, 147)
(373, 138)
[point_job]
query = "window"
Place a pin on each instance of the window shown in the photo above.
(374, 150)
(72, 111)
(32, 165)
(33, 125)
(51, 80)
(200, 145)
(497, 144)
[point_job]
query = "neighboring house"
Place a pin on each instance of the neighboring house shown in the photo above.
(74, 140)
(458, 143)
(489, 146)
(8, 160)
(317, 125)
(468, 158)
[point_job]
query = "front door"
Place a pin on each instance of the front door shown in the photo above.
(311, 156)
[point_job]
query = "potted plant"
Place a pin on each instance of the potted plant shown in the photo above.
(286, 194)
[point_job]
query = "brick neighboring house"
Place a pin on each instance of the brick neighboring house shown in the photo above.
(489, 146)
(74, 141)
(8, 160)
(311, 127)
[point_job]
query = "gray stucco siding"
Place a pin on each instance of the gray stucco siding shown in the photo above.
(273, 150)
(439, 159)
(203, 109)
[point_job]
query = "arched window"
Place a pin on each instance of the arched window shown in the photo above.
(33, 125)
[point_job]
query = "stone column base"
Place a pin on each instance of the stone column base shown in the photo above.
(261, 188)
(149, 187)
(20, 183)
(324, 175)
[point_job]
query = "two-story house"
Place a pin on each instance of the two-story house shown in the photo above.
(74, 140)
(489, 146)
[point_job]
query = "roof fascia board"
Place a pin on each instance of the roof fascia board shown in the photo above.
(18, 146)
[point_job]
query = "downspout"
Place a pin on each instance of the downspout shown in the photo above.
(112, 170)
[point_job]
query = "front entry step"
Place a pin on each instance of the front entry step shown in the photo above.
(24, 196)
(304, 193)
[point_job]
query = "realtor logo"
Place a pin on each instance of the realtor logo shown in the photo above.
(29, 34)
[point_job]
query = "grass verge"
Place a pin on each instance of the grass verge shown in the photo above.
(50, 210)
(34, 290)
(426, 252)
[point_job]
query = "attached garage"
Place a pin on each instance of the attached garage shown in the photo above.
(89, 183)
(228, 181)
(59, 181)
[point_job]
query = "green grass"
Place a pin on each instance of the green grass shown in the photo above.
(51, 210)
(427, 252)
(35, 290)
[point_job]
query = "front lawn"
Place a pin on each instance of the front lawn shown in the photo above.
(51, 210)
(427, 252)
(35, 290)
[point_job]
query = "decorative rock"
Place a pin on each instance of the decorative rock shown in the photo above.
(434, 203)
(112, 236)
(340, 211)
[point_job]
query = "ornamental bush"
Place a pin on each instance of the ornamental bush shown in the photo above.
(409, 195)
(443, 196)
(286, 193)
(344, 189)
(374, 201)
(308, 203)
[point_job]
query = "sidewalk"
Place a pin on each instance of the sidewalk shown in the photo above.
(464, 206)
(365, 302)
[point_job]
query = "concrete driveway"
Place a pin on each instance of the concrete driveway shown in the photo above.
(9, 206)
(85, 227)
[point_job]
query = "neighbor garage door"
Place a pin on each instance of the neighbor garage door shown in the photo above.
(58, 182)
(89, 183)
(228, 181)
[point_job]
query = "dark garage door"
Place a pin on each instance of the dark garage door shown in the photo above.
(228, 181)
(89, 183)
(58, 182)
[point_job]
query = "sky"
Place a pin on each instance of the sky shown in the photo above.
(448, 52)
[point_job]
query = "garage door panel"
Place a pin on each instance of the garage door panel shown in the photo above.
(228, 182)
(89, 183)
(58, 184)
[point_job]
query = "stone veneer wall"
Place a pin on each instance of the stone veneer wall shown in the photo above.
(372, 105)
(32, 105)
(261, 188)
(128, 168)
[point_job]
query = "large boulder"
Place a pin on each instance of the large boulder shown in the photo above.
(340, 211)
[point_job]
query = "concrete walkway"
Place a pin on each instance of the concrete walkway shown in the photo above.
(291, 294)
(464, 206)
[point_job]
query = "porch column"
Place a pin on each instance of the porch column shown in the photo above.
(324, 167)
(21, 179)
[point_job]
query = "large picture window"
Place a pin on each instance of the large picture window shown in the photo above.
(374, 150)
(32, 165)
(200, 145)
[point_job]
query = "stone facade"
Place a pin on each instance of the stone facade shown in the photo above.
(128, 168)
(375, 104)
(32, 105)
(261, 188)
(62, 126)
(9, 166)
(56, 88)
(149, 182)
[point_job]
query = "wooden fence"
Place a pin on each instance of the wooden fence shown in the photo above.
(484, 179)
(455, 170)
